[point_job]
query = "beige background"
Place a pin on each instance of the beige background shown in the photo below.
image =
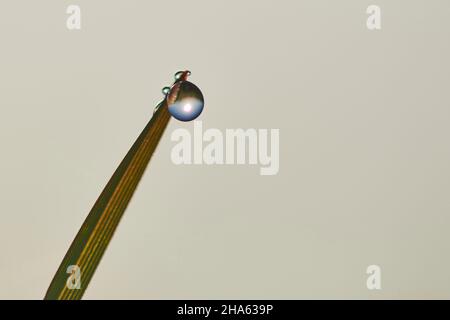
(364, 161)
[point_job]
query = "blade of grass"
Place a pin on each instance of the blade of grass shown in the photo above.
(97, 230)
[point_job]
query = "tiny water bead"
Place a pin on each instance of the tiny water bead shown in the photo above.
(179, 74)
(157, 107)
(185, 101)
(165, 90)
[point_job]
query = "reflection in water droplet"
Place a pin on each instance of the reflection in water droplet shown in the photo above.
(180, 73)
(165, 90)
(185, 102)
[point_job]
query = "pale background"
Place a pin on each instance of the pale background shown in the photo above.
(364, 136)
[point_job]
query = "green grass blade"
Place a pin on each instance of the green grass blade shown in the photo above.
(97, 230)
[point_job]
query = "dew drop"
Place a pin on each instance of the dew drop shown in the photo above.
(180, 73)
(165, 90)
(185, 101)
(157, 107)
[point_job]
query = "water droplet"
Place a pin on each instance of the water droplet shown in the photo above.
(165, 90)
(180, 73)
(185, 101)
(157, 107)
